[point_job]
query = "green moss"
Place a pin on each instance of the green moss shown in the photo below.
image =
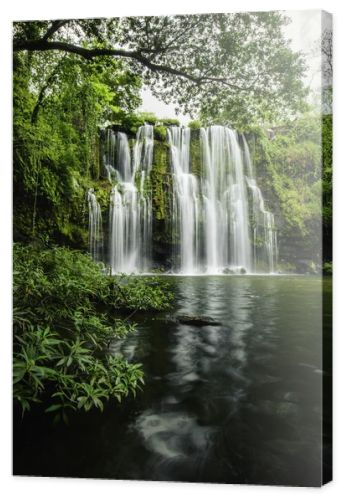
(75, 234)
(195, 125)
(149, 118)
(96, 164)
(160, 179)
(195, 153)
(160, 133)
(130, 123)
(170, 121)
(287, 164)
(102, 191)
(328, 268)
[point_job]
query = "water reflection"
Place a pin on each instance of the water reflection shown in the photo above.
(238, 402)
(209, 376)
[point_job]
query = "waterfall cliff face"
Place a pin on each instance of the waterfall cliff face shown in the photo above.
(218, 216)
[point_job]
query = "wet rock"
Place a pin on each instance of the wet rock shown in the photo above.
(228, 271)
(240, 270)
(197, 320)
(306, 267)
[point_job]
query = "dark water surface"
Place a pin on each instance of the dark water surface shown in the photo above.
(236, 403)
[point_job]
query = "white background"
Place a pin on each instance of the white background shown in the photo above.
(51, 489)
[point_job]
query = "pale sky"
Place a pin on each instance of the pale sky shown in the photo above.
(303, 31)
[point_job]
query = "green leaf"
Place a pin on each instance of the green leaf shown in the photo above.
(54, 407)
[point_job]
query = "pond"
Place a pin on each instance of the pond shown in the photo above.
(236, 402)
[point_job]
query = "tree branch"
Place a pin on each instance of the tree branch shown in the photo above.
(44, 45)
(56, 25)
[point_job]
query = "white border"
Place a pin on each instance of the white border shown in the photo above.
(39, 488)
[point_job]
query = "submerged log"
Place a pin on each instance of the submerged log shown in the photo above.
(197, 320)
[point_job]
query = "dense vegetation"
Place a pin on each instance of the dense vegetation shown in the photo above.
(254, 75)
(73, 78)
(289, 170)
(66, 313)
(58, 108)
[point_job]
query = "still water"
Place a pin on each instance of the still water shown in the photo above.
(238, 402)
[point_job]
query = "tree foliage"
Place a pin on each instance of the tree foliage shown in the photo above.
(295, 172)
(60, 103)
(222, 65)
(327, 157)
(290, 170)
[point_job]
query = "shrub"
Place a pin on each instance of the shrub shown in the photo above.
(195, 124)
(66, 312)
(167, 122)
(328, 268)
(160, 133)
(149, 118)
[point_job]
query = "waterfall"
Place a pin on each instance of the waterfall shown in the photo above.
(211, 214)
(263, 228)
(109, 158)
(143, 159)
(185, 202)
(263, 221)
(219, 220)
(130, 202)
(95, 227)
(225, 220)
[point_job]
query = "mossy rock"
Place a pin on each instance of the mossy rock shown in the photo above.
(195, 153)
(168, 122)
(160, 179)
(160, 133)
(195, 125)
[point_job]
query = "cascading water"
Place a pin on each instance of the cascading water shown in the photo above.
(185, 215)
(225, 218)
(264, 230)
(109, 157)
(95, 227)
(131, 206)
(143, 159)
(219, 220)
(210, 213)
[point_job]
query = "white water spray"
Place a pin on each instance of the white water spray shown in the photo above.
(219, 220)
(185, 215)
(131, 206)
(95, 227)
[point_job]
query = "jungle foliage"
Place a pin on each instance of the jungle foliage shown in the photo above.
(254, 75)
(294, 161)
(59, 104)
(294, 169)
(72, 77)
(66, 314)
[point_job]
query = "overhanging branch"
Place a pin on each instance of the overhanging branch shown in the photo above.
(45, 45)
(56, 25)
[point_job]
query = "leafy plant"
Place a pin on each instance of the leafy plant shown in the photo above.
(66, 313)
